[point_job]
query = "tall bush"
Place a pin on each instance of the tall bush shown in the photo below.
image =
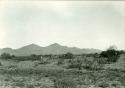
(111, 54)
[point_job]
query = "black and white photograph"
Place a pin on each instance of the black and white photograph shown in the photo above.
(62, 44)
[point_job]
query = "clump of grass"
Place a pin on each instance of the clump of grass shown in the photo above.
(64, 83)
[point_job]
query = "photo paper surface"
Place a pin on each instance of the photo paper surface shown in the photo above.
(62, 44)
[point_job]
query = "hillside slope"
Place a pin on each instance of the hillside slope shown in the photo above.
(51, 49)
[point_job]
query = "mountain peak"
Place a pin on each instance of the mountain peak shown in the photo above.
(54, 48)
(54, 45)
(31, 46)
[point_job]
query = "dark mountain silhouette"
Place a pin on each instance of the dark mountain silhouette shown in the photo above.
(51, 49)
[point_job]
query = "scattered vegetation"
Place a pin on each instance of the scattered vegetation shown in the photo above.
(62, 71)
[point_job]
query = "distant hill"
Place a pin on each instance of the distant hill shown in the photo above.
(51, 49)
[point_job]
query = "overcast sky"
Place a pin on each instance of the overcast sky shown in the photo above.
(83, 24)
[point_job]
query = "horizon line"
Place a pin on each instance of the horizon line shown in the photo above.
(57, 44)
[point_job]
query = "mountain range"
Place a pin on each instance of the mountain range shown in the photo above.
(51, 49)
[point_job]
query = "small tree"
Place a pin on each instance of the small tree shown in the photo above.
(111, 54)
(67, 56)
(6, 56)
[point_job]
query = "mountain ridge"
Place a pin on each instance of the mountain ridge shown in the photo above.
(51, 49)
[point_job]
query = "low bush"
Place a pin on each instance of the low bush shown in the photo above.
(111, 55)
(64, 83)
(66, 56)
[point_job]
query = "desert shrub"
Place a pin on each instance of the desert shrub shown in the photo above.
(96, 66)
(92, 63)
(34, 57)
(30, 86)
(19, 84)
(101, 60)
(111, 55)
(6, 56)
(122, 52)
(0, 64)
(60, 61)
(64, 83)
(103, 85)
(89, 63)
(67, 56)
(44, 60)
(75, 63)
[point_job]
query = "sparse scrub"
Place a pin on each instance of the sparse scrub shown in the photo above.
(64, 83)
(75, 63)
(89, 63)
(83, 71)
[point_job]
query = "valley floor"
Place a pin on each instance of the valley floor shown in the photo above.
(30, 74)
(60, 78)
